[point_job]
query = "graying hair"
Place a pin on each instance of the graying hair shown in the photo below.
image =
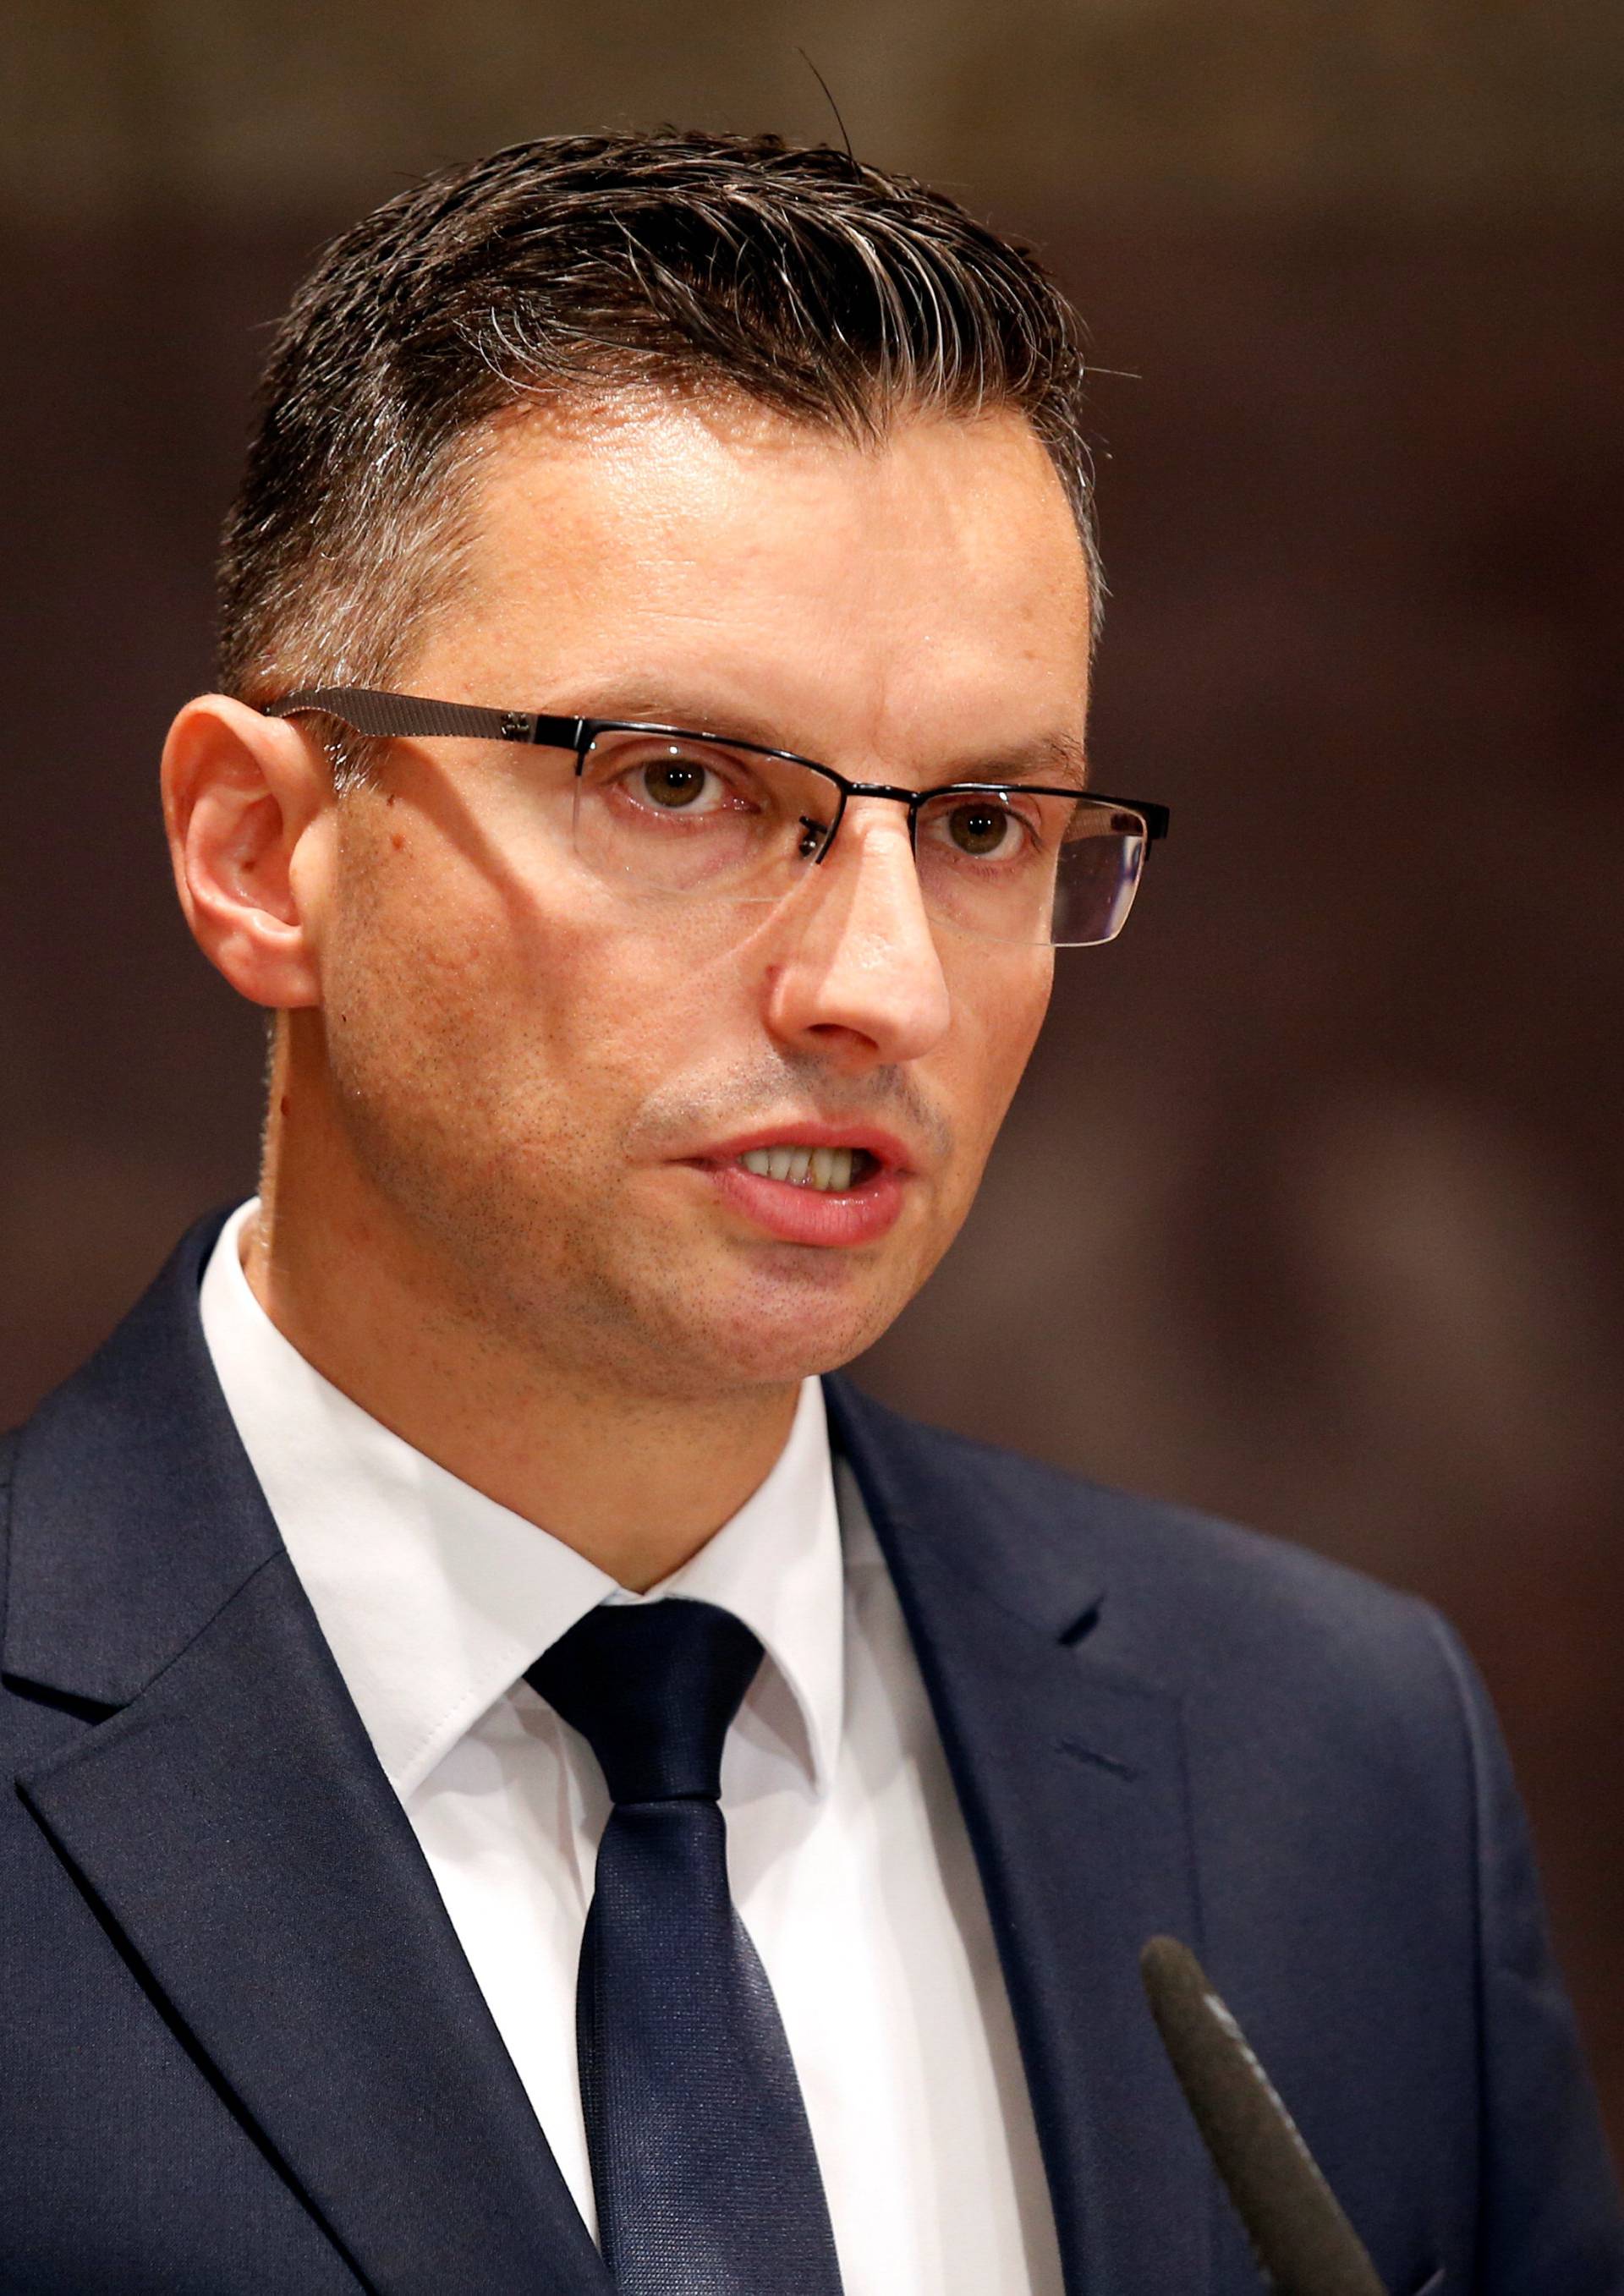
(565, 267)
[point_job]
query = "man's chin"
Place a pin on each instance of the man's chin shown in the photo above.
(708, 1308)
(801, 1312)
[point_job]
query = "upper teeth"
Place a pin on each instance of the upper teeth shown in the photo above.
(806, 1168)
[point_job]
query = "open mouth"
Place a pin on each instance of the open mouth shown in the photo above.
(833, 1171)
(847, 1188)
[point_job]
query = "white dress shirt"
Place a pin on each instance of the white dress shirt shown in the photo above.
(848, 1859)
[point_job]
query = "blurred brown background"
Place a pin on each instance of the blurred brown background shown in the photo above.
(1309, 1211)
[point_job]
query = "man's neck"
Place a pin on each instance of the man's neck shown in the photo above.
(634, 1483)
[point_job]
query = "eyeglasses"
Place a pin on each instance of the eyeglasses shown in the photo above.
(660, 814)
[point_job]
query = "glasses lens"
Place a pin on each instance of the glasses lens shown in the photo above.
(658, 814)
(1021, 864)
(1100, 866)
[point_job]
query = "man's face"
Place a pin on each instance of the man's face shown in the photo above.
(549, 1082)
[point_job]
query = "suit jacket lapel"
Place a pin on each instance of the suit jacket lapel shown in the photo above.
(1070, 1776)
(232, 1821)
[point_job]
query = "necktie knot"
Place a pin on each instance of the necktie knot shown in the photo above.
(654, 1688)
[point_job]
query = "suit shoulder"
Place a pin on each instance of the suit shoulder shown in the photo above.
(1183, 1591)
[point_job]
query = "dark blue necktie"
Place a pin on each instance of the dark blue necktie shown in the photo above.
(703, 2164)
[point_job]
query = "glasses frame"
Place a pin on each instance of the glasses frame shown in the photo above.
(381, 716)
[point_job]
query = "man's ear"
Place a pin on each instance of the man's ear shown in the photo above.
(248, 806)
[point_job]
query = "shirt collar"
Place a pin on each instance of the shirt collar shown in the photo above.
(777, 1565)
(434, 1599)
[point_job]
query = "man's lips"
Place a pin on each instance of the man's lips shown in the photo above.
(797, 1213)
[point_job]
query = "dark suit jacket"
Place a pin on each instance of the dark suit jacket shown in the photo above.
(241, 2049)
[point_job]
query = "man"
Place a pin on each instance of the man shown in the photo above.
(522, 1782)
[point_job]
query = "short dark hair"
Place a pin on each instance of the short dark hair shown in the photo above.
(560, 268)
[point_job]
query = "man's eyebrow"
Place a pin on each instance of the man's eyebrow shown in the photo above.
(1059, 753)
(645, 703)
(1060, 756)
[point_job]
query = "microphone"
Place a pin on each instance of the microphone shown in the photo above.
(1303, 2244)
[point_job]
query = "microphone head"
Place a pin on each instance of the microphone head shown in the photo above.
(1304, 2245)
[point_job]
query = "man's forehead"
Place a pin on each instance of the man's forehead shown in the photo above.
(670, 537)
(680, 472)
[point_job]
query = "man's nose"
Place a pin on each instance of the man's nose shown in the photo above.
(855, 974)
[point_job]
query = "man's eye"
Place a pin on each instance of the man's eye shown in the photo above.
(676, 785)
(983, 830)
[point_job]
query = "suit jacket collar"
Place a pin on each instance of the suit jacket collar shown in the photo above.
(1071, 1774)
(231, 1820)
(135, 1514)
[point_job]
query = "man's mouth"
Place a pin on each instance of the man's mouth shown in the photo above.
(846, 1188)
(836, 1171)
